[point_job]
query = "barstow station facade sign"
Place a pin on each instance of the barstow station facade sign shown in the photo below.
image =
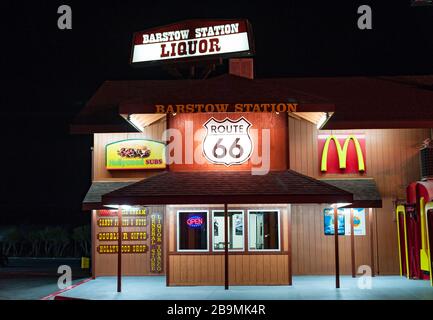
(191, 40)
(226, 107)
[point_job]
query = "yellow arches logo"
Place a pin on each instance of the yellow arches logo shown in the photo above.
(342, 153)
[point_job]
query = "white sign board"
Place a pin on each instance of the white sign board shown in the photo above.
(227, 141)
(191, 39)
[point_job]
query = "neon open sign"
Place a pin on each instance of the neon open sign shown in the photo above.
(195, 221)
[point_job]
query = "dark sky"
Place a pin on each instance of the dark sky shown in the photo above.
(48, 74)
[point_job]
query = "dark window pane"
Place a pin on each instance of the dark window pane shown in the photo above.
(192, 230)
(263, 230)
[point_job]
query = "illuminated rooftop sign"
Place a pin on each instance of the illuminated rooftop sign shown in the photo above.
(193, 39)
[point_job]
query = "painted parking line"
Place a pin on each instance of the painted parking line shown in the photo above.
(55, 294)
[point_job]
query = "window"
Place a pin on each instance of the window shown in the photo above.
(235, 221)
(192, 230)
(264, 230)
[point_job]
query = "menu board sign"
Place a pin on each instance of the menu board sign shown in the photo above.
(142, 237)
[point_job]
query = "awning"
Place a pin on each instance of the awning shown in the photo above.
(231, 187)
(92, 200)
(365, 192)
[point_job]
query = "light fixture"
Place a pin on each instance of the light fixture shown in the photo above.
(322, 120)
(135, 122)
(341, 205)
(116, 206)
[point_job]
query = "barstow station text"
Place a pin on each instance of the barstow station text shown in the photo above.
(184, 43)
(238, 107)
(203, 32)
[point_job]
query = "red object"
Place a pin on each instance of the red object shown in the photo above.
(415, 191)
(55, 294)
(402, 244)
(332, 156)
(194, 221)
(413, 225)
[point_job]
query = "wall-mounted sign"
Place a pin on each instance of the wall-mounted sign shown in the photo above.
(135, 154)
(281, 107)
(227, 141)
(193, 39)
(156, 261)
(342, 156)
(358, 221)
(344, 221)
(126, 222)
(127, 248)
(130, 213)
(329, 222)
(126, 236)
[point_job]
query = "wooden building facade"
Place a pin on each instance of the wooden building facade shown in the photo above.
(391, 160)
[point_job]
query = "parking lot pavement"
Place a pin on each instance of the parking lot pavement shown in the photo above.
(34, 278)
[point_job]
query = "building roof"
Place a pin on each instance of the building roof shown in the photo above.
(357, 102)
(374, 102)
(92, 200)
(141, 96)
(219, 187)
(365, 191)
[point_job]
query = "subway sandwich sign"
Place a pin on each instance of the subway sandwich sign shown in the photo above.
(342, 153)
(135, 154)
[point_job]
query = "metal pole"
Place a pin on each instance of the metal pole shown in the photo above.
(337, 263)
(352, 243)
(226, 249)
(370, 219)
(289, 253)
(119, 250)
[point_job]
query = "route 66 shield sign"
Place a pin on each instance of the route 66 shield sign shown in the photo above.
(227, 141)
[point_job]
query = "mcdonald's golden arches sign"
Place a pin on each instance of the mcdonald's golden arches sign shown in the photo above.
(342, 153)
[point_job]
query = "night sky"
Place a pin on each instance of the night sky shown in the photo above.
(48, 74)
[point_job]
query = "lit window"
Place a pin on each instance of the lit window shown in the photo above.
(192, 231)
(264, 230)
(235, 221)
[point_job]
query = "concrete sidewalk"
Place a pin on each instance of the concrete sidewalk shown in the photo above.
(304, 288)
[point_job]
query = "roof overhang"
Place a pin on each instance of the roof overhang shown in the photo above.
(364, 190)
(92, 200)
(231, 187)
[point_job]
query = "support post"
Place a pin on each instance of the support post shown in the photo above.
(352, 243)
(370, 219)
(119, 250)
(226, 249)
(166, 246)
(337, 262)
(289, 249)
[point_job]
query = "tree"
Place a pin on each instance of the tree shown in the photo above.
(81, 236)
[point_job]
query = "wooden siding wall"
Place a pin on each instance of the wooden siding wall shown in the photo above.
(100, 173)
(276, 124)
(392, 159)
(269, 268)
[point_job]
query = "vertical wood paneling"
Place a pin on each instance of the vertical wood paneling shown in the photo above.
(392, 159)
